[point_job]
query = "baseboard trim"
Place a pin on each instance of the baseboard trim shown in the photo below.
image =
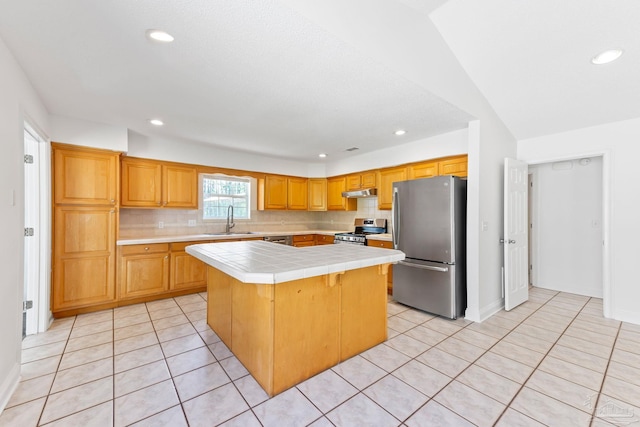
(491, 309)
(9, 385)
(627, 316)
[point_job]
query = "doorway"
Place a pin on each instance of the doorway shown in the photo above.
(566, 226)
(37, 230)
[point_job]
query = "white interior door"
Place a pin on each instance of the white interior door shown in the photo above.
(31, 235)
(516, 246)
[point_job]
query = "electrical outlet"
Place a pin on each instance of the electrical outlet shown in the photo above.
(192, 223)
(160, 224)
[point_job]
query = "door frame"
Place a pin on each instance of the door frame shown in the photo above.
(42, 295)
(606, 214)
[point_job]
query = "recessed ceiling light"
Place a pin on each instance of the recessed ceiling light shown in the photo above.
(322, 155)
(156, 122)
(606, 56)
(400, 132)
(159, 36)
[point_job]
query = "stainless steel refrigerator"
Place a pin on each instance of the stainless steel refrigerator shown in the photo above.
(429, 225)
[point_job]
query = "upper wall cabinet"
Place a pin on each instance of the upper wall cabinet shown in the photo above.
(386, 178)
(454, 166)
(297, 194)
(335, 201)
(281, 193)
(361, 180)
(422, 170)
(153, 184)
(317, 194)
(84, 176)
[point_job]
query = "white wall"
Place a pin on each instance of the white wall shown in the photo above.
(88, 134)
(18, 102)
(620, 143)
(567, 226)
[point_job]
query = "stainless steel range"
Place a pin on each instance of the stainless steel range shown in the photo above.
(363, 227)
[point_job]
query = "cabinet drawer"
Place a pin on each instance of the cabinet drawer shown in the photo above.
(380, 244)
(144, 249)
(303, 238)
(322, 239)
(179, 246)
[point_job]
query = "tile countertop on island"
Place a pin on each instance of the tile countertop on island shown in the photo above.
(267, 263)
(217, 236)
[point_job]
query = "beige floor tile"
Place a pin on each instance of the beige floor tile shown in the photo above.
(493, 385)
(143, 403)
(43, 351)
(513, 418)
(359, 372)
(215, 407)
(586, 360)
(407, 345)
(75, 344)
(595, 327)
(167, 322)
(165, 312)
(423, 378)
(82, 374)
(624, 372)
(500, 321)
(511, 369)
(251, 390)
(162, 304)
(93, 328)
(220, 351)
(586, 346)
(629, 335)
(200, 381)
(357, 411)
(595, 337)
(327, 390)
(426, 335)
(489, 328)
(248, 419)
(534, 331)
(209, 337)
(434, 414)
(386, 357)
(190, 360)
(560, 389)
(87, 355)
(399, 324)
(129, 310)
(189, 299)
(516, 352)
(134, 343)
(140, 377)
(195, 306)
(444, 362)
(31, 390)
(100, 415)
(121, 322)
(628, 345)
(612, 411)
(394, 308)
(39, 367)
(622, 390)
(181, 345)
(415, 316)
(572, 372)
(630, 327)
(527, 341)
(25, 415)
(470, 404)
(48, 337)
(548, 410)
(478, 339)
(133, 330)
(233, 368)
(172, 417)
(625, 357)
(174, 332)
(63, 323)
(194, 316)
(97, 317)
(461, 349)
(396, 397)
(135, 358)
(201, 325)
(443, 326)
(67, 402)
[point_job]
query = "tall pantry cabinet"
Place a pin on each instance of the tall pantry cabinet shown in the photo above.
(85, 224)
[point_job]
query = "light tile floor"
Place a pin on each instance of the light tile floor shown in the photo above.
(552, 361)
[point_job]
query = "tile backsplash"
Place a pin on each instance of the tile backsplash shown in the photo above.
(146, 222)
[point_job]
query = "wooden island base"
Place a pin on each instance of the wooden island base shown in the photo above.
(287, 332)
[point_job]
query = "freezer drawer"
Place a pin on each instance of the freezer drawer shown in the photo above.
(429, 286)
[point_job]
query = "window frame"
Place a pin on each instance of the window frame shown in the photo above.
(222, 177)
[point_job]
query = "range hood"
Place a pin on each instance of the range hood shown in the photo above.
(366, 192)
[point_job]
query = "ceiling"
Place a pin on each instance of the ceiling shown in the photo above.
(259, 77)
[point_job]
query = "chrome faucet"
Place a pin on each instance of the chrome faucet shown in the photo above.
(230, 223)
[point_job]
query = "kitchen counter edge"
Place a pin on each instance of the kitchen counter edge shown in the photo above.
(213, 237)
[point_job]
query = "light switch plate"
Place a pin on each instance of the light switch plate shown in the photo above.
(192, 223)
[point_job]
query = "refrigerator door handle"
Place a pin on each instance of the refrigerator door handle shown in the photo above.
(395, 214)
(424, 267)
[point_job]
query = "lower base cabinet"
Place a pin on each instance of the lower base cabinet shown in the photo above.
(186, 271)
(387, 245)
(144, 270)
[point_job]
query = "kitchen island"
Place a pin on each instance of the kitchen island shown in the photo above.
(289, 313)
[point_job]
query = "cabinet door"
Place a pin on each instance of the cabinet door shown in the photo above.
(368, 180)
(323, 239)
(275, 192)
(455, 166)
(83, 256)
(317, 194)
(187, 271)
(179, 187)
(353, 182)
(144, 274)
(85, 177)
(385, 187)
(297, 194)
(423, 170)
(335, 201)
(141, 183)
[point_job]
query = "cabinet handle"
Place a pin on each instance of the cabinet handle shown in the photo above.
(113, 202)
(146, 249)
(112, 211)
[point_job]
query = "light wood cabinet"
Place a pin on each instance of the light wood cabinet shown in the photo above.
(84, 176)
(335, 201)
(323, 239)
(297, 194)
(272, 193)
(83, 256)
(422, 170)
(454, 166)
(153, 184)
(186, 270)
(387, 245)
(304, 240)
(317, 194)
(144, 270)
(386, 178)
(361, 180)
